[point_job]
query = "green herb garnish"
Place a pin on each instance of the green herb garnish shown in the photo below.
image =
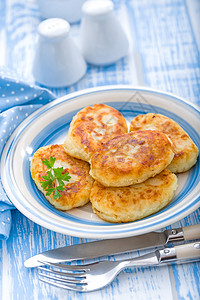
(54, 180)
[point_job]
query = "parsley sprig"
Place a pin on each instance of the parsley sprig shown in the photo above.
(54, 180)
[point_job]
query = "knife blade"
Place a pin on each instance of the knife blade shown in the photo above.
(114, 246)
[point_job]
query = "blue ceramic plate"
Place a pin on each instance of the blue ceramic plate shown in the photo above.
(50, 124)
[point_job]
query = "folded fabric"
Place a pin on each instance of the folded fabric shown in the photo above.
(17, 101)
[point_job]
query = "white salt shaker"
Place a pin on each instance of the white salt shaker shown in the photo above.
(70, 10)
(102, 38)
(58, 61)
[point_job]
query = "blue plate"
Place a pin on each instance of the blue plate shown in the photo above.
(50, 124)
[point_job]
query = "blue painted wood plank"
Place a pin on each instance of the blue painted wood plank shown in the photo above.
(27, 239)
(165, 41)
(193, 7)
(1, 264)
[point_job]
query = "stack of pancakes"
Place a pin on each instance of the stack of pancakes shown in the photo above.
(126, 175)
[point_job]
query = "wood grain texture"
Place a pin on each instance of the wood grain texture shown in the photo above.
(165, 42)
(164, 54)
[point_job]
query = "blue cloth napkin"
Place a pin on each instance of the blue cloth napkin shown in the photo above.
(17, 101)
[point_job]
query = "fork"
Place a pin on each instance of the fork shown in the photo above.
(90, 277)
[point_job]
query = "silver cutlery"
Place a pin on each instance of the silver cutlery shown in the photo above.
(85, 278)
(115, 246)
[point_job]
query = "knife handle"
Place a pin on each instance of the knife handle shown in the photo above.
(187, 233)
(188, 251)
(191, 232)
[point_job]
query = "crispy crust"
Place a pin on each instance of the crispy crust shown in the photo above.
(92, 127)
(131, 158)
(185, 151)
(126, 204)
(77, 190)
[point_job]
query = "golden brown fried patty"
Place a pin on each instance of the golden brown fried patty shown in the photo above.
(91, 127)
(131, 158)
(77, 190)
(185, 151)
(126, 204)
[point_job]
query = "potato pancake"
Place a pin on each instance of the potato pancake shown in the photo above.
(185, 151)
(127, 204)
(131, 158)
(91, 127)
(77, 190)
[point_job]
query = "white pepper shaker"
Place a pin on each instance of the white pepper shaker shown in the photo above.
(58, 61)
(102, 38)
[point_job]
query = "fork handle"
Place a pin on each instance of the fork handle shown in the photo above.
(188, 251)
(185, 252)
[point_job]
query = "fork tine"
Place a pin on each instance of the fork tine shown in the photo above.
(71, 268)
(65, 286)
(64, 274)
(62, 279)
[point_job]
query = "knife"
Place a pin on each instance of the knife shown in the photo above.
(114, 246)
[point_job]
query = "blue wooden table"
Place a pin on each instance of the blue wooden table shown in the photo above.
(164, 54)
